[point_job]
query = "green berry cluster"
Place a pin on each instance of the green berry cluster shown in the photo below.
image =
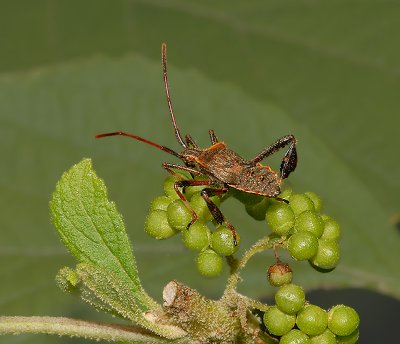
(294, 320)
(308, 234)
(168, 215)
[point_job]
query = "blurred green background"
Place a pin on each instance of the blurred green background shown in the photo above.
(326, 71)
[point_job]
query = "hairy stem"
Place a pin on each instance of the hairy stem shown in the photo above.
(78, 328)
(259, 246)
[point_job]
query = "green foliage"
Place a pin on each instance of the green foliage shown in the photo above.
(92, 229)
(321, 71)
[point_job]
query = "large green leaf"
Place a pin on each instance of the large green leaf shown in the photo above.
(324, 71)
(93, 230)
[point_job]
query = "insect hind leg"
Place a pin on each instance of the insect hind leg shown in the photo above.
(289, 161)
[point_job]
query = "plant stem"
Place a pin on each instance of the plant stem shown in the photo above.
(77, 328)
(259, 246)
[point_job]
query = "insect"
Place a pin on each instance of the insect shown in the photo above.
(224, 168)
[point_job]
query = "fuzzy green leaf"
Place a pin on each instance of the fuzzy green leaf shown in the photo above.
(92, 229)
(103, 290)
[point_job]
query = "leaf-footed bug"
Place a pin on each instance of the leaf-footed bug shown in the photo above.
(224, 167)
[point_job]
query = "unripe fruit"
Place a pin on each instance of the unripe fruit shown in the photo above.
(160, 203)
(326, 337)
(197, 237)
(178, 215)
(315, 199)
(303, 245)
(295, 336)
(290, 298)
(300, 203)
(309, 221)
(327, 256)
(222, 241)
(312, 320)
(257, 211)
(350, 339)
(343, 320)
(209, 263)
(277, 322)
(169, 187)
(157, 225)
(191, 190)
(279, 274)
(199, 205)
(331, 229)
(286, 194)
(280, 217)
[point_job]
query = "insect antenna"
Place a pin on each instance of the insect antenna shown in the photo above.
(163, 148)
(171, 111)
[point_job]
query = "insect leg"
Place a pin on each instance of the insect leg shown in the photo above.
(183, 183)
(289, 161)
(190, 141)
(215, 211)
(168, 166)
(213, 137)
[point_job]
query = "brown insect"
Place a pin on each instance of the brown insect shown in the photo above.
(224, 167)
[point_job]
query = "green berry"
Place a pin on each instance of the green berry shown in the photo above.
(303, 245)
(280, 217)
(327, 256)
(160, 203)
(199, 205)
(295, 336)
(315, 199)
(197, 237)
(331, 229)
(309, 221)
(191, 190)
(178, 215)
(277, 322)
(169, 187)
(326, 337)
(350, 339)
(286, 194)
(343, 320)
(290, 298)
(209, 263)
(257, 211)
(312, 320)
(279, 274)
(300, 203)
(157, 226)
(222, 241)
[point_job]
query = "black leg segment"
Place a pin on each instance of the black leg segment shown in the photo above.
(213, 137)
(289, 161)
(215, 211)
